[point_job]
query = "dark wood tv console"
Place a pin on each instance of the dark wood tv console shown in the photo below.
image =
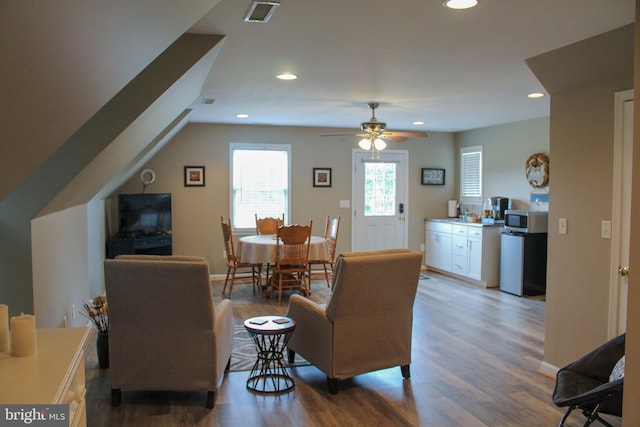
(146, 245)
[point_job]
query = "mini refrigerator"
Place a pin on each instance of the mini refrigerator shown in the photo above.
(523, 263)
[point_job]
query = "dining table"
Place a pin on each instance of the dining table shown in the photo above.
(261, 249)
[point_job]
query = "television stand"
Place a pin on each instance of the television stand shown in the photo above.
(160, 244)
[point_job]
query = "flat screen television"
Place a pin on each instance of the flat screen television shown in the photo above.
(144, 214)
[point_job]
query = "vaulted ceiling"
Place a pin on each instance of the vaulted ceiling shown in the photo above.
(452, 69)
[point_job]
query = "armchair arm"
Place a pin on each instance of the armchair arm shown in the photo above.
(223, 331)
(312, 336)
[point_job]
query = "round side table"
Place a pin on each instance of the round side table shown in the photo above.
(270, 335)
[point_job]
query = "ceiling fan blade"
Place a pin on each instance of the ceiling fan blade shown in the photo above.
(340, 134)
(408, 134)
(395, 138)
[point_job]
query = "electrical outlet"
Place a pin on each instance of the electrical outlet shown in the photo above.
(422, 247)
(224, 254)
(73, 312)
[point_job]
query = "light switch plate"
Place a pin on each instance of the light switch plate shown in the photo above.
(345, 203)
(605, 229)
(562, 226)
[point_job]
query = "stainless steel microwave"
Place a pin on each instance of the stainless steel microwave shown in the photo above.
(525, 221)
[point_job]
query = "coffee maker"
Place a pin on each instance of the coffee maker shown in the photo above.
(497, 206)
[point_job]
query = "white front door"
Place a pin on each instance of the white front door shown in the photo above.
(621, 213)
(380, 200)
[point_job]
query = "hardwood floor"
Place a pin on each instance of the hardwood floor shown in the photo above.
(476, 355)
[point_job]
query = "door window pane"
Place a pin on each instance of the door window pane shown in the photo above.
(379, 189)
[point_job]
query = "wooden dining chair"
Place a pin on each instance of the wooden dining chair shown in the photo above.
(331, 236)
(268, 225)
(233, 262)
(292, 259)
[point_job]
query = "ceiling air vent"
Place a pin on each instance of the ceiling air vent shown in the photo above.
(261, 11)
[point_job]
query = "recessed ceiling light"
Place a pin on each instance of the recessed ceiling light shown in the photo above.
(287, 76)
(460, 4)
(535, 95)
(242, 116)
(418, 122)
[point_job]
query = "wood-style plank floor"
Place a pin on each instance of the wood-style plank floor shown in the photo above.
(476, 355)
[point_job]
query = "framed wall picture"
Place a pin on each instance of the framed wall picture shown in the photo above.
(194, 176)
(322, 177)
(431, 176)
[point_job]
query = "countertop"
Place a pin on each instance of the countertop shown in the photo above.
(463, 222)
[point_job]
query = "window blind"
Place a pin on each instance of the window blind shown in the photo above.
(471, 173)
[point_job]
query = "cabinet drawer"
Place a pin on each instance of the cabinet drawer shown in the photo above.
(459, 245)
(440, 227)
(459, 265)
(474, 232)
(460, 230)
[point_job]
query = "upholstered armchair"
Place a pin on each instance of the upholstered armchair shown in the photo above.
(367, 323)
(166, 334)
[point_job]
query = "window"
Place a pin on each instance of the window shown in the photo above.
(260, 177)
(471, 174)
(380, 189)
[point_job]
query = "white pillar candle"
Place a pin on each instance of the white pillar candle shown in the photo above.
(4, 328)
(23, 335)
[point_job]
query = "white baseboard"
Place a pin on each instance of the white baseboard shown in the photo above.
(548, 370)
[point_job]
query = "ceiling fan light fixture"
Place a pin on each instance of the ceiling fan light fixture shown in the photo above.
(365, 144)
(460, 4)
(379, 144)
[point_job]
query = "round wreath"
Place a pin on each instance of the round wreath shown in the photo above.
(147, 176)
(536, 163)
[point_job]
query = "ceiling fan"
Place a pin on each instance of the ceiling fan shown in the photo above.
(374, 132)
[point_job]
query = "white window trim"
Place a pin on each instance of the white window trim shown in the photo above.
(253, 146)
(474, 198)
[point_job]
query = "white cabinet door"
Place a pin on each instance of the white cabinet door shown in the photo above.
(430, 257)
(475, 258)
(438, 251)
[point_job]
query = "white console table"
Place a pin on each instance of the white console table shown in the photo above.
(55, 374)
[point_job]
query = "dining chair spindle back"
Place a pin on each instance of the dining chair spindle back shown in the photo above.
(292, 259)
(268, 225)
(331, 235)
(233, 262)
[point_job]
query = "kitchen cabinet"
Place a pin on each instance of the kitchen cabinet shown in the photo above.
(474, 253)
(438, 245)
(55, 374)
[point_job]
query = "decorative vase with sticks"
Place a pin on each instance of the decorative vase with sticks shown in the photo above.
(97, 311)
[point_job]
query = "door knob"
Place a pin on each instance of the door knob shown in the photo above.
(623, 271)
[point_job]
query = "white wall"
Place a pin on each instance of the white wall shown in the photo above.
(60, 266)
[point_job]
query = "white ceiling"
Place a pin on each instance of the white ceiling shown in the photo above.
(454, 70)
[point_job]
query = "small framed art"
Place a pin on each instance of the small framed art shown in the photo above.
(432, 176)
(194, 176)
(322, 177)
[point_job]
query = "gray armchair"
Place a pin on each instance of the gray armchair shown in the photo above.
(367, 323)
(165, 332)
